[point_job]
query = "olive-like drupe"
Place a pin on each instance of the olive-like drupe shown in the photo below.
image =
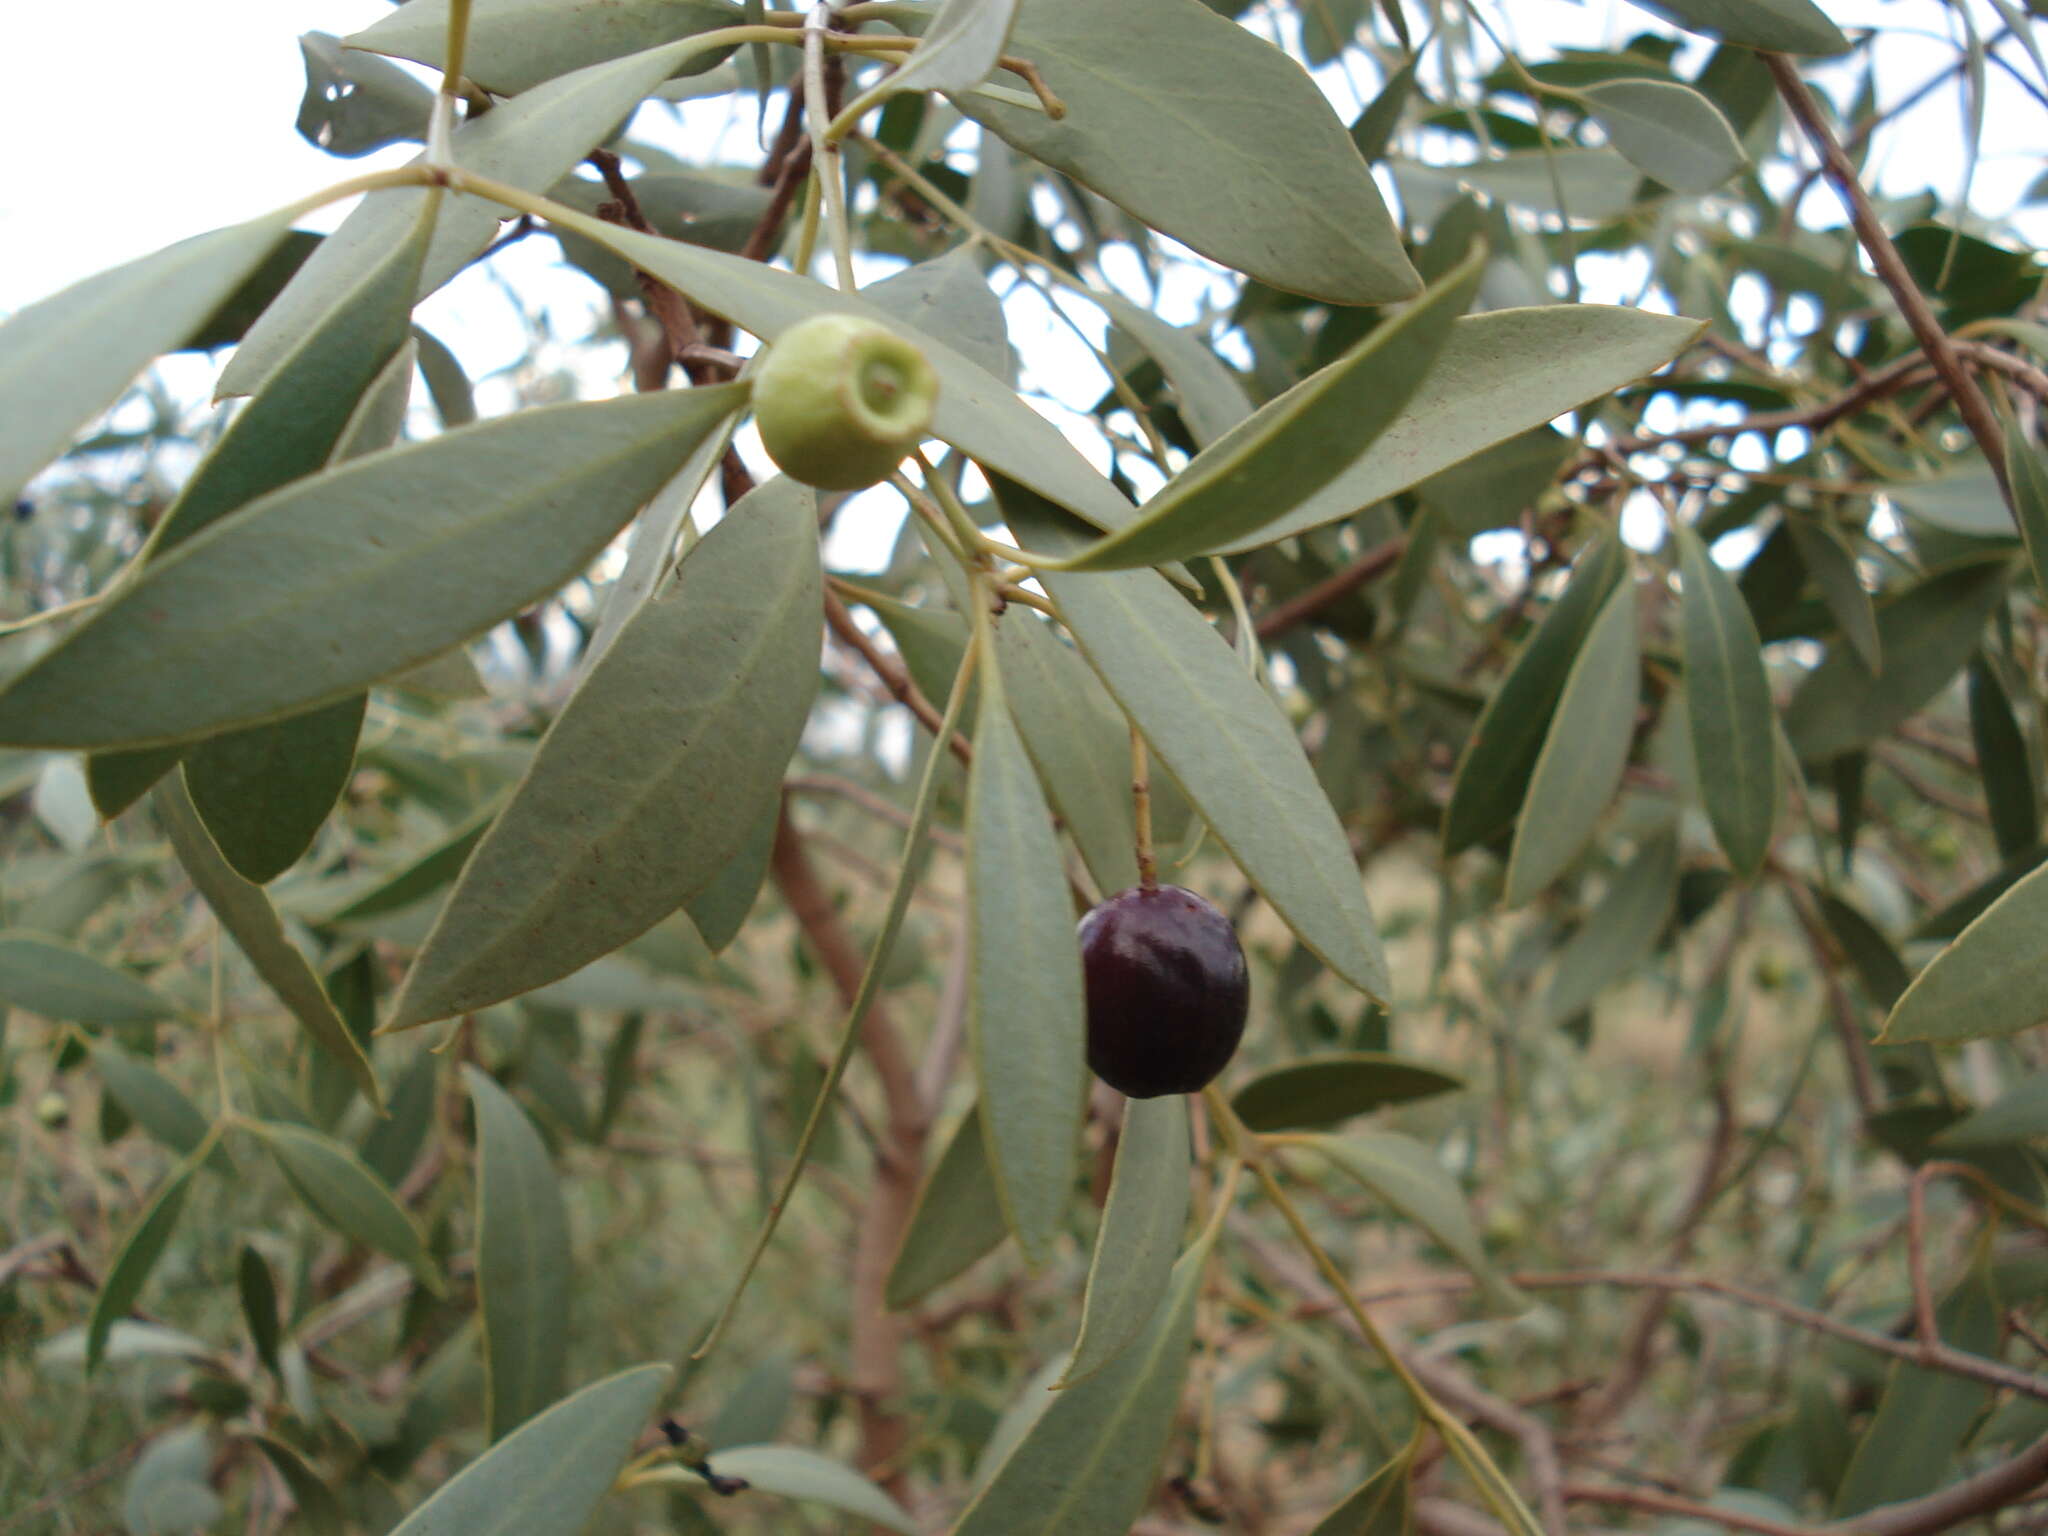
(839, 400)
(1167, 991)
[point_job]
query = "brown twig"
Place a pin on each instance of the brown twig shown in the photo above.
(891, 672)
(1970, 403)
(1370, 566)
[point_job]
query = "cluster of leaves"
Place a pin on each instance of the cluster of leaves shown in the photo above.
(1807, 706)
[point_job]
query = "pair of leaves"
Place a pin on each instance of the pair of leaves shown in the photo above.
(655, 776)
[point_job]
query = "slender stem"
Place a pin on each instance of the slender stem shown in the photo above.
(826, 161)
(1141, 811)
(1891, 267)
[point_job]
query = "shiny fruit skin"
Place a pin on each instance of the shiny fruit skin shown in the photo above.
(840, 400)
(1167, 991)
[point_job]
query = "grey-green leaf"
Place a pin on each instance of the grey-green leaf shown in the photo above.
(1080, 742)
(949, 298)
(795, 1473)
(1618, 932)
(169, 1492)
(1832, 565)
(333, 582)
(2005, 764)
(515, 45)
(1785, 26)
(1086, 1466)
(245, 912)
(957, 50)
(1140, 1234)
(1993, 980)
(1407, 1175)
(50, 386)
(1926, 636)
(1025, 1003)
(347, 1196)
(131, 1267)
(1321, 1090)
(653, 776)
(1212, 398)
(523, 1265)
(1261, 176)
(264, 792)
(1269, 464)
(2018, 1114)
(1584, 751)
(65, 984)
(1728, 703)
(1498, 375)
(1668, 131)
(547, 1477)
(155, 1103)
(2027, 473)
(958, 1219)
(1379, 1506)
(1222, 737)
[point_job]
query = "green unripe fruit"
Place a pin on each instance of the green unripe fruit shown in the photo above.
(53, 1110)
(840, 400)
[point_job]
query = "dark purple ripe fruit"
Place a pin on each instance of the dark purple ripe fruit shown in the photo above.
(1167, 991)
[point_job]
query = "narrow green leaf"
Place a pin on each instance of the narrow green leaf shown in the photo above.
(393, 1144)
(1877, 964)
(1584, 751)
(1728, 702)
(958, 1218)
(1832, 565)
(1261, 177)
(319, 1511)
(2027, 473)
(1211, 396)
(50, 386)
(949, 298)
(720, 910)
(2018, 1114)
(1379, 1506)
(1407, 1175)
(2004, 763)
(515, 45)
(257, 1289)
(347, 1196)
(1224, 740)
(156, 1104)
(1140, 1234)
(1784, 26)
(292, 426)
(795, 1473)
(1375, 127)
(1322, 1090)
(1500, 755)
(419, 876)
(1668, 131)
(523, 1263)
(1925, 1416)
(131, 1267)
(330, 583)
(958, 49)
(1087, 1463)
(548, 1476)
(1993, 980)
(1079, 741)
(653, 776)
(1269, 464)
(931, 641)
(245, 912)
(1926, 636)
(264, 792)
(1498, 375)
(68, 985)
(1618, 933)
(1025, 1005)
